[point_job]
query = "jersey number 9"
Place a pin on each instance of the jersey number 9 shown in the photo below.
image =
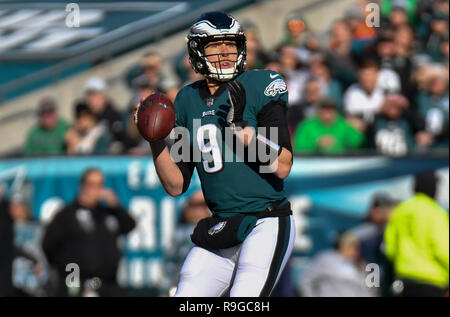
(211, 151)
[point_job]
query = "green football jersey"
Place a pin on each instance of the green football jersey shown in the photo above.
(236, 185)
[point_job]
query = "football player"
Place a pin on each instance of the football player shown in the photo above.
(242, 101)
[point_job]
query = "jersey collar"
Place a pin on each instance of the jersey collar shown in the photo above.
(206, 95)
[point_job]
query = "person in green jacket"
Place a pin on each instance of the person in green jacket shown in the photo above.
(327, 133)
(416, 240)
(47, 136)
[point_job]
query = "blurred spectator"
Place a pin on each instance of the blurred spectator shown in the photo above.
(293, 72)
(433, 106)
(416, 241)
(150, 67)
(370, 233)
(88, 136)
(363, 100)
(424, 73)
(14, 216)
(256, 58)
(330, 87)
(285, 286)
(403, 54)
(393, 132)
(181, 68)
(29, 274)
(363, 35)
(426, 9)
(445, 52)
(194, 210)
(400, 11)
(339, 55)
(438, 34)
(86, 232)
(327, 133)
(308, 106)
(385, 50)
(297, 34)
(132, 141)
(98, 103)
(46, 137)
(398, 15)
(185, 72)
(6, 247)
(336, 273)
(388, 79)
(274, 65)
(374, 222)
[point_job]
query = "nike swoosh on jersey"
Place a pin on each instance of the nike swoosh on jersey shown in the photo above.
(272, 76)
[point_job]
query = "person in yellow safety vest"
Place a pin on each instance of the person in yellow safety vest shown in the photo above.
(416, 240)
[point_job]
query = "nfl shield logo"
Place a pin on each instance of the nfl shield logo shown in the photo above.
(209, 101)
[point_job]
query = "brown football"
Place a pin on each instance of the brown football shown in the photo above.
(155, 117)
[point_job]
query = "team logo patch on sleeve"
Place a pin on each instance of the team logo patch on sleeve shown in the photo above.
(275, 87)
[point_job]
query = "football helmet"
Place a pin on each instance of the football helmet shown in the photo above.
(215, 26)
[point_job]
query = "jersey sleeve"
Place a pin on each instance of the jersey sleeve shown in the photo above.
(180, 114)
(186, 167)
(264, 87)
(268, 106)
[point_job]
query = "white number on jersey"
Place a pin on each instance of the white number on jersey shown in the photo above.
(211, 152)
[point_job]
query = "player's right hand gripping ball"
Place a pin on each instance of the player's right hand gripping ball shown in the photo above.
(155, 117)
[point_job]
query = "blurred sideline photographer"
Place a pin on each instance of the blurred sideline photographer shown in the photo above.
(85, 233)
(417, 242)
(371, 233)
(337, 272)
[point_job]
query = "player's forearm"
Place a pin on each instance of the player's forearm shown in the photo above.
(281, 167)
(283, 164)
(168, 172)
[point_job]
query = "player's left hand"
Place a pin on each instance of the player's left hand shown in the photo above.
(236, 94)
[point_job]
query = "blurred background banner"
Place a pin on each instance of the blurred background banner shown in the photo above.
(328, 196)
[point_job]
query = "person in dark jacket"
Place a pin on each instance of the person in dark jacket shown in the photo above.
(85, 234)
(96, 99)
(6, 248)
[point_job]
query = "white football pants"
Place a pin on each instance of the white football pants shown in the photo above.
(250, 269)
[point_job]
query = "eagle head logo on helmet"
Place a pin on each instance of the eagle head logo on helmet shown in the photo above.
(215, 26)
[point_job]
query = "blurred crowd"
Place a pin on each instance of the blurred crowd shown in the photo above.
(76, 253)
(400, 248)
(361, 86)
